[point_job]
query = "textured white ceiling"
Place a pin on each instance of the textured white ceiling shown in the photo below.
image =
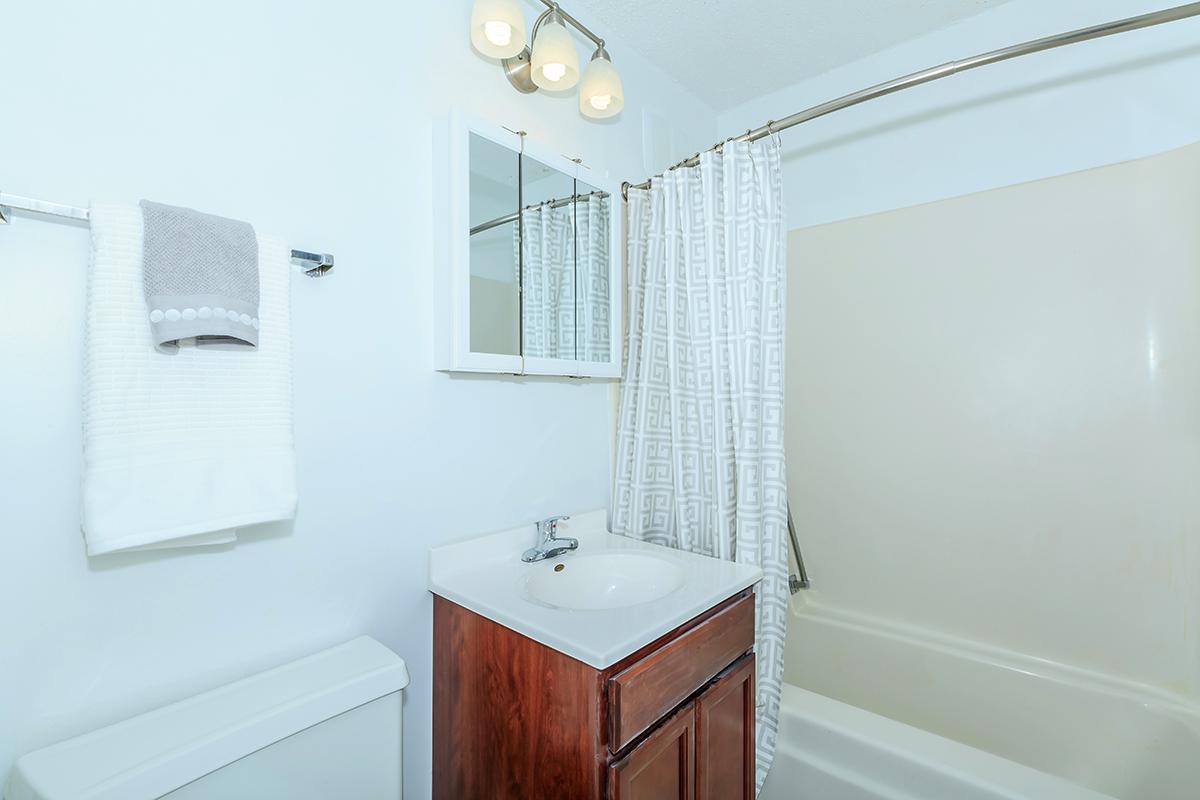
(729, 51)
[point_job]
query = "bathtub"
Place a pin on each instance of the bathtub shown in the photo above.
(873, 710)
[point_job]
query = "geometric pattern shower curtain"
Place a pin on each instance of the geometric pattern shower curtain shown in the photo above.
(565, 298)
(700, 460)
(592, 226)
(546, 238)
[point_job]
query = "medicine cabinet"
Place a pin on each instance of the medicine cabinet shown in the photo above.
(528, 255)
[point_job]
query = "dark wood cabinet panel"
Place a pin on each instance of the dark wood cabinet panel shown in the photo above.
(641, 694)
(662, 767)
(512, 718)
(725, 735)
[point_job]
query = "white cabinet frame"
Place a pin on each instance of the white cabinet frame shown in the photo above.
(452, 249)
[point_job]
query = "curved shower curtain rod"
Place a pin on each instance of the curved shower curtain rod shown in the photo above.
(554, 202)
(944, 71)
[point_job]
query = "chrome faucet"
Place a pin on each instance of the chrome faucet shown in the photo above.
(549, 545)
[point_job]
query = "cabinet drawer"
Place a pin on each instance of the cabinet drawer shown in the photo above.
(642, 693)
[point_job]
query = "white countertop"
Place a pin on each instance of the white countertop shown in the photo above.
(486, 575)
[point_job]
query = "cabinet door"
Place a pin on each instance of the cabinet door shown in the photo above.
(662, 767)
(725, 735)
(646, 691)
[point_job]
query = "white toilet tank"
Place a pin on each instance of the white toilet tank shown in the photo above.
(326, 727)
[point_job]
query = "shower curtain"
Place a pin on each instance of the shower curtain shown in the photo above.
(564, 253)
(700, 461)
(547, 243)
(592, 227)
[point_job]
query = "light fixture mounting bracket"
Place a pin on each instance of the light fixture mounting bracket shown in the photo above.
(519, 68)
(519, 71)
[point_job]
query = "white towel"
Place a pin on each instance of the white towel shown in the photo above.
(181, 447)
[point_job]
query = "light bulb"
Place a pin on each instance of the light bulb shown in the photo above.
(600, 92)
(498, 28)
(498, 32)
(555, 61)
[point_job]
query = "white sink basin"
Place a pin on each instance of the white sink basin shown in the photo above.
(604, 580)
(612, 596)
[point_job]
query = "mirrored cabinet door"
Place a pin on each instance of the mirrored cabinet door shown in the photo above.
(528, 281)
(548, 283)
(593, 264)
(495, 292)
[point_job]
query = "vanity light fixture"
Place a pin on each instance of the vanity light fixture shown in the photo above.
(553, 63)
(600, 94)
(497, 28)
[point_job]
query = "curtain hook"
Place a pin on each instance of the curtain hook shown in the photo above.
(774, 134)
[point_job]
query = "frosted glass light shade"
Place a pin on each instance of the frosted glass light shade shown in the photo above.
(600, 92)
(497, 28)
(555, 61)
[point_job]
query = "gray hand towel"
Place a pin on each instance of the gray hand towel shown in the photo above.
(200, 275)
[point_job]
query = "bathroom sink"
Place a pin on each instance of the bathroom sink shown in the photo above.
(596, 604)
(604, 580)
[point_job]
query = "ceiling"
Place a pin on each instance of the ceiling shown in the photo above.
(727, 52)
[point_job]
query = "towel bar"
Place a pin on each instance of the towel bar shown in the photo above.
(315, 264)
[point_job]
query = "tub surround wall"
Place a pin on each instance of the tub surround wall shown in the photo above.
(313, 120)
(994, 417)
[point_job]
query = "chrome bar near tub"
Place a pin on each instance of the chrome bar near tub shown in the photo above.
(796, 582)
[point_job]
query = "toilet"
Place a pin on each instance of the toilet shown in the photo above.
(326, 726)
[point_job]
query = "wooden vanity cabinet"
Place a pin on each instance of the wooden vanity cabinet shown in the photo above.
(513, 718)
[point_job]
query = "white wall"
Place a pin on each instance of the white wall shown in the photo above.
(313, 120)
(1081, 106)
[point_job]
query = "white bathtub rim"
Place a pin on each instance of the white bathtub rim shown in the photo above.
(1171, 702)
(961, 762)
(846, 775)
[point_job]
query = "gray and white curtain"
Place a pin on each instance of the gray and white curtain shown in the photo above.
(700, 459)
(565, 299)
(593, 226)
(547, 242)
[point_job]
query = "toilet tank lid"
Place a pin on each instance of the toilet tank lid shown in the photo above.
(157, 752)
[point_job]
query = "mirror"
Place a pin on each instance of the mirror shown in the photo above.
(528, 282)
(494, 291)
(547, 262)
(565, 250)
(593, 259)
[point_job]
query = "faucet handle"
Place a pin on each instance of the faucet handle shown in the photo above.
(548, 527)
